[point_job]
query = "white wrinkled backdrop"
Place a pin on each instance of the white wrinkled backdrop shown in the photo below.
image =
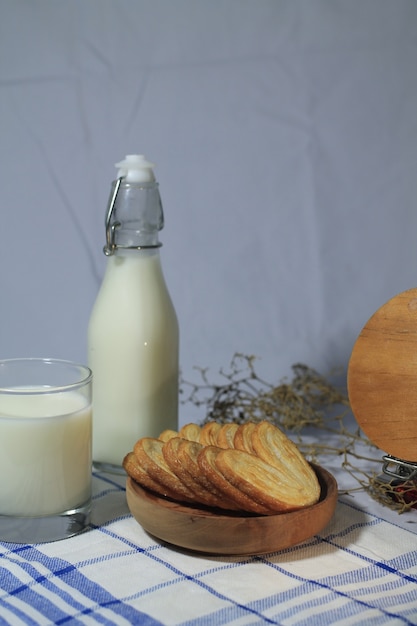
(285, 138)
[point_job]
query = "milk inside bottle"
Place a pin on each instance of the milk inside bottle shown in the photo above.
(133, 337)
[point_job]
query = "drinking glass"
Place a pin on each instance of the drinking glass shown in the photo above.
(45, 449)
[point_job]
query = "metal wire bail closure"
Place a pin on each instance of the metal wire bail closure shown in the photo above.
(110, 246)
(397, 468)
(111, 227)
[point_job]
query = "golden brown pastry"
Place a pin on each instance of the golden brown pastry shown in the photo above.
(141, 476)
(168, 434)
(226, 434)
(252, 467)
(243, 437)
(273, 446)
(188, 454)
(148, 452)
(207, 463)
(262, 482)
(179, 454)
(190, 431)
(208, 433)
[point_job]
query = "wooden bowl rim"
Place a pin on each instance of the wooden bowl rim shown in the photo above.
(206, 531)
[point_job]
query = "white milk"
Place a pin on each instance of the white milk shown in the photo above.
(45, 453)
(133, 353)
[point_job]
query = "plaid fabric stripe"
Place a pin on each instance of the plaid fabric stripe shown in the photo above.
(361, 569)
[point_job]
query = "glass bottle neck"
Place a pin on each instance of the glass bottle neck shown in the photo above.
(134, 216)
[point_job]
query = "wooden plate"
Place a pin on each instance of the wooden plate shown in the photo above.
(213, 532)
(382, 375)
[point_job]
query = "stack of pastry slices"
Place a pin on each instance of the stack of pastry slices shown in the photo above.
(250, 467)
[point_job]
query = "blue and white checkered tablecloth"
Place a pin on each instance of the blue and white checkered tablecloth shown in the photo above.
(361, 569)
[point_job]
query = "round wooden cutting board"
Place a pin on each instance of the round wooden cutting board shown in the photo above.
(382, 377)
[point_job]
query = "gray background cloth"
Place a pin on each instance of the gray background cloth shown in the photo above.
(284, 134)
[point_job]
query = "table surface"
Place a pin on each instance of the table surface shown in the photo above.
(361, 569)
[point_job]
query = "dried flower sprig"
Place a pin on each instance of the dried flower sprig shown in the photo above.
(305, 406)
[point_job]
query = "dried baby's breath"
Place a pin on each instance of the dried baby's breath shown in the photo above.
(309, 407)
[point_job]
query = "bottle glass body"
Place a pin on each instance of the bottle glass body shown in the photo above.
(133, 351)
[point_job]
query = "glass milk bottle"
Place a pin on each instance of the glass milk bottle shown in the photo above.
(133, 337)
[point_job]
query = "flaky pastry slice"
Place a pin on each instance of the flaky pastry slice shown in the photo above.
(179, 455)
(208, 433)
(207, 462)
(136, 471)
(190, 431)
(272, 446)
(243, 437)
(149, 454)
(168, 434)
(262, 482)
(188, 456)
(226, 434)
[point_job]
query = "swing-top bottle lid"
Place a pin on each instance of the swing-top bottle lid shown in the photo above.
(135, 168)
(134, 213)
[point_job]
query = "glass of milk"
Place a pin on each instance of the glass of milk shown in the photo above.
(45, 449)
